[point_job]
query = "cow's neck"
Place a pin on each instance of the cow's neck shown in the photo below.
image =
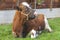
(21, 18)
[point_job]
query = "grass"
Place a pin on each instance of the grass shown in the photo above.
(6, 34)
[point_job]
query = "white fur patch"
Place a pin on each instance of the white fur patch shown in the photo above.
(47, 25)
(26, 4)
(35, 13)
(34, 35)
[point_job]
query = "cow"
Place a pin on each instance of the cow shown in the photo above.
(23, 13)
(25, 22)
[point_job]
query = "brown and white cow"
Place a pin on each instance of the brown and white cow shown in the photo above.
(21, 16)
(34, 25)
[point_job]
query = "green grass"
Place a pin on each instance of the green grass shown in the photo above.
(6, 34)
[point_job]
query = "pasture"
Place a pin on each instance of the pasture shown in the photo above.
(6, 34)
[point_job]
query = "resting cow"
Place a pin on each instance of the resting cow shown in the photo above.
(21, 16)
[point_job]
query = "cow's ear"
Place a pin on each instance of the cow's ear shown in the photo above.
(19, 9)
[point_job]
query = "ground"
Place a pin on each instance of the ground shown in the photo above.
(6, 34)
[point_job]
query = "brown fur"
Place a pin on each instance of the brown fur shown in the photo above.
(17, 23)
(37, 24)
(19, 19)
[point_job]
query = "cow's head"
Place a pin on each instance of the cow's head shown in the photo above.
(26, 9)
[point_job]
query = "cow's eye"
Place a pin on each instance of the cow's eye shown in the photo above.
(19, 9)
